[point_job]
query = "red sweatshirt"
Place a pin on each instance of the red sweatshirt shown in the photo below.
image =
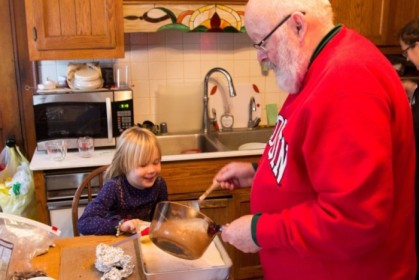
(335, 182)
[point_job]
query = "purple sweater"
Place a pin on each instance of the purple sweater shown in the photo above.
(119, 200)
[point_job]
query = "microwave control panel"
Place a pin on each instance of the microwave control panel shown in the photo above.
(123, 115)
(123, 120)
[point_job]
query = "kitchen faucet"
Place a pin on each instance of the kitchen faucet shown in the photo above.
(231, 91)
(252, 123)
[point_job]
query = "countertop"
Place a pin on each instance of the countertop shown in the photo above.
(52, 264)
(80, 252)
(40, 160)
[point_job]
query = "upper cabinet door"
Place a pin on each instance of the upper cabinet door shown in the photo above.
(402, 11)
(74, 29)
(367, 17)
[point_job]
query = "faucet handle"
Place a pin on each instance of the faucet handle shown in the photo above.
(213, 120)
(252, 123)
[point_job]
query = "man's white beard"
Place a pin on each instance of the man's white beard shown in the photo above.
(291, 75)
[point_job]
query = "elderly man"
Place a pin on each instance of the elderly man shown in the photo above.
(332, 196)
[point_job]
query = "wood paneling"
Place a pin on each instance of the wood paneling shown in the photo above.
(9, 104)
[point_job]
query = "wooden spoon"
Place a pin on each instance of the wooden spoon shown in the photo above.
(207, 192)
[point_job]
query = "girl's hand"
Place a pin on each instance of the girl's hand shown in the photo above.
(131, 226)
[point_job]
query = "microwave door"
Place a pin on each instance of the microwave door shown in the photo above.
(109, 118)
(70, 116)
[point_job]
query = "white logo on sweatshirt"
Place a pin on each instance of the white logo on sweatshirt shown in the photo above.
(277, 154)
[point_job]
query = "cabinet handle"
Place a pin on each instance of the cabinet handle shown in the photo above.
(34, 34)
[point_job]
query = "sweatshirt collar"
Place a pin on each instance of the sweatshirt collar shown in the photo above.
(324, 42)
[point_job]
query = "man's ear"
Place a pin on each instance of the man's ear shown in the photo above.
(299, 25)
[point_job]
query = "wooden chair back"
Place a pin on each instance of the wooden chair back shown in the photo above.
(90, 185)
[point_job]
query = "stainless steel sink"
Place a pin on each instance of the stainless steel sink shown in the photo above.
(232, 140)
(177, 144)
(186, 143)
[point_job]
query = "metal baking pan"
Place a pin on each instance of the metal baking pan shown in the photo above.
(156, 264)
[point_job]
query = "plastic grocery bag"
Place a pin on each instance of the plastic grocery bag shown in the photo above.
(17, 189)
(21, 240)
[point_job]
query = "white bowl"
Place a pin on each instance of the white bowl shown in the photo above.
(88, 85)
(86, 74)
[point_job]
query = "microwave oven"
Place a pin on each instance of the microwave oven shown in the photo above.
(102, 115)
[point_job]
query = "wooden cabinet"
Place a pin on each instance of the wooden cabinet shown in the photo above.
(378, 20)
(187, 180)
(402, 11)
(367, 17)
(80, 29)
(247, 264)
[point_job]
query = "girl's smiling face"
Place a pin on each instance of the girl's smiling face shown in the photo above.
(144, 176)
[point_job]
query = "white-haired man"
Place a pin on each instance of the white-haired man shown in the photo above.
(332, 196)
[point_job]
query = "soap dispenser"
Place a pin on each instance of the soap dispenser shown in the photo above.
(227, 120)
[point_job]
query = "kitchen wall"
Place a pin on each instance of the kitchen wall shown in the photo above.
(172, 58)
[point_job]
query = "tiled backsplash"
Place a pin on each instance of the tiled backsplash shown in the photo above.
(172, 58)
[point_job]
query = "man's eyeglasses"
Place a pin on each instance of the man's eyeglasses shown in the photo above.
(261, 44)
(404, 52)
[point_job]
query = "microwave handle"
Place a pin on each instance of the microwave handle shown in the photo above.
(109, 118)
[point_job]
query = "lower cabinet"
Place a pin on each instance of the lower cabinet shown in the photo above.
(247, 265)
(187, 180)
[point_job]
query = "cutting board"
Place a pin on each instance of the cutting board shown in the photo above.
(238, 105)
(180, 106)
(79, 262)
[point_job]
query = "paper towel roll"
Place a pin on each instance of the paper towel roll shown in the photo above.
(180, 106)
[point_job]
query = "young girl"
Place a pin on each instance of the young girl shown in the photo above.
(133, 189)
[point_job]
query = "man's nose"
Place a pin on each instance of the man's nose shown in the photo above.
(261, 56)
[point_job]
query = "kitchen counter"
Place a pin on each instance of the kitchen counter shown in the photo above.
(80, 251)
(41, 162)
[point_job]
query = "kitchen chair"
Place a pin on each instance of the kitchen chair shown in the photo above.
(89, 186)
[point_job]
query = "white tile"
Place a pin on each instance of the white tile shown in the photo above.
(141, 88)
(174, 52)
(139, 71)
(228, 65)
(208, 52)
(191, 52)
(156, 53)
(192, 70)
(155, 85)
(242, 53)
(174, 37)
(242, 38)
(161, 58)
(241, 68)
(191, 38)
(207, 66)
(142, 105)
(138, 39)
(175, 70)
(157, 38)
(226, 40)
(48, 72)
(209, 40)
(157, 70)
(139, 54)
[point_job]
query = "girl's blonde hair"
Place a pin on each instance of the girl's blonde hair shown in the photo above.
(136, 146)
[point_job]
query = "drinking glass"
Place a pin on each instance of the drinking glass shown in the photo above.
(56, 149)
(86, 146)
